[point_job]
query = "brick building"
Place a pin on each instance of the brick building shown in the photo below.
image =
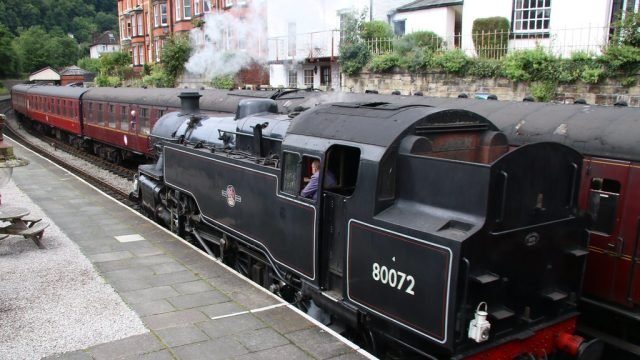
(145, 24)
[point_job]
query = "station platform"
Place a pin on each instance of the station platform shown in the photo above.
(190, 305)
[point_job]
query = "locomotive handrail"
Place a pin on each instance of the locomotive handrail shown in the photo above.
(503, 201)
(222, 131)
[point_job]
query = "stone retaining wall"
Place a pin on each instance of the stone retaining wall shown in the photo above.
(444, 85)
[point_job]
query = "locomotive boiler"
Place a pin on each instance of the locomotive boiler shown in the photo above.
(434, 237)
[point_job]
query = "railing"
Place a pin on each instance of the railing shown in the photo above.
(560, 42)
(313, 45)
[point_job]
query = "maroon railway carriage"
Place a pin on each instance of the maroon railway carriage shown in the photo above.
(56, 110)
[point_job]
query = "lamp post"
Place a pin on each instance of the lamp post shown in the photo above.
(7, 160)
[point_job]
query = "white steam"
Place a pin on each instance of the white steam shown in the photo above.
(226, 43)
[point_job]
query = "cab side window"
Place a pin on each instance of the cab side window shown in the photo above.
(603, 203)
(290, 173)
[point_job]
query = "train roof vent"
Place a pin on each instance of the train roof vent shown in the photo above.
(379, 105)
(248, 107)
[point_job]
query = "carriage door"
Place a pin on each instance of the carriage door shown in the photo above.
(341, 162)
(631, 234)
(603, 196)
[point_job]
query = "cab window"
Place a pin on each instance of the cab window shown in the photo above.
(290, 173)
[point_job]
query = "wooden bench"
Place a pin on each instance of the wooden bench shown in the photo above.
(30, 228)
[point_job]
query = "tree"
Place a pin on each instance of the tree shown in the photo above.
(31, 46)
(83, 28)
(89, 64)
(175, 53)
(105, 21)
(375, 30)
(8, 56)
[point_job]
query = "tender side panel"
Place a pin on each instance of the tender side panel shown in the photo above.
(404, 279)
(245, 202)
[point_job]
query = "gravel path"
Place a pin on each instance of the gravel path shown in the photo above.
(53, 301)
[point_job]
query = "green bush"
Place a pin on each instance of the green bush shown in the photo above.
(621, 60)
(375, 30)
(89, 64)
(626, 29)
(529, 65)
(354, 57)
(543, 91)
(592, 75)
(484, 68)
(452, 61)
(108, 81)
(384, 63)
(158, 78)
(416, 60)
(225, 81)
(418, 39)
(490, 37)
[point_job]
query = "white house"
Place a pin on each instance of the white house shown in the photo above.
(561, 26)
(443, 17)
(105, 43)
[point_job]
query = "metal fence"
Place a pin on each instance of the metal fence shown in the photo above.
(560, 42)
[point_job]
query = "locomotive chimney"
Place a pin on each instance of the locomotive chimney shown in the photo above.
(190, 102)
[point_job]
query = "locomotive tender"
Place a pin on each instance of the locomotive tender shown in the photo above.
(436, 237)
(609, 192)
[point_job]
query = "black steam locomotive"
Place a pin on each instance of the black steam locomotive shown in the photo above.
(433, 238)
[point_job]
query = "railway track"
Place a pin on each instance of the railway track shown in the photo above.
(56, 145)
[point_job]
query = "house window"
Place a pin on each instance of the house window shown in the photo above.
(228, 3)
(207, 6)
(163, 14)
(531, 16)
(128, 27)
(135, 55)
(398, 27)
(292, 38)
(293, 79)
(140, 25)
(228, 39)
(158, 48)
(308, 78)
(241, 2)
(178, 9)
(156, 15)
(196, 7)
(141, 55)
(187, 9)
(133, 26)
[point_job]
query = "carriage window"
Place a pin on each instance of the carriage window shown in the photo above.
(144, 120)
(100, 118)
(290, 171)
(603, 203)
(112, 120)
(124, 120)
(90, 112)
(343, 163)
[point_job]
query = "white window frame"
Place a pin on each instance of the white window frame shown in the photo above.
(228, 3)
(158, 49)
(134, 28)
(206, 6)
(156, 15)
(196, 7)
(178, 4)
(241, 2)
(186, 5)
(292, 75)
(308, 73)
(140, 32)
(135, 55)
(531, 16)
(163, 14)
(141, 54)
